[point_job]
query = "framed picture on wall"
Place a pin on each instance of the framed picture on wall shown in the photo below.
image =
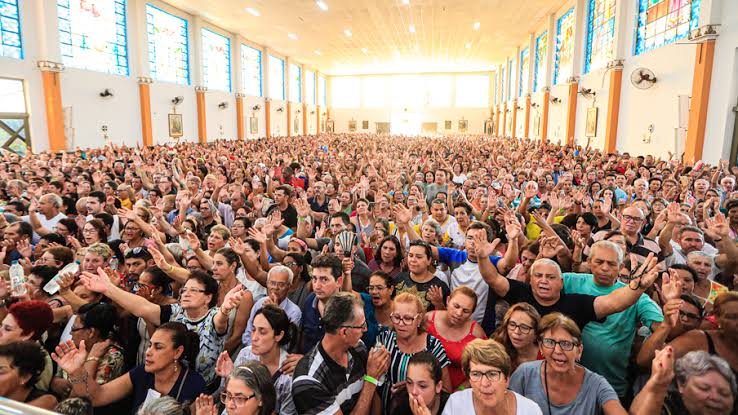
(537, 125)
(352, 126)
(329, 126)
(296, 125)
(591, 122)
(175, 126)
(463, 125)
(253, 125)
(365, 125)
(447, 124)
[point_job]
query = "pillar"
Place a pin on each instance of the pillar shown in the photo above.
(613, 106)
(304, 119)
(202, 131)
(504, 120)
(514, 118)
(701, 81)
(317, 116)
(527, 117)
(289, 119)
(544, 113)
(144, 94)
(52, 101)
(268, 115)
(240, 120)
(497, 120)
(571, 111)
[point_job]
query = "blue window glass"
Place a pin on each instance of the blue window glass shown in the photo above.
(524, 71)
(322, 96)
(539, 76)
(168, 40)
(599, 49)
(295, 83)
(564, 52)
(92, 35)
(276, 78)
(662, 22)
(10, 30)
(251, 71)
(216, 60)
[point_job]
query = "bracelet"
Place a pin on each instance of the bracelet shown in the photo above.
(76, 381)
(371, 380)
(92, 359)
(171, 268)
(223, 312)
(301, 219)
(717, 240)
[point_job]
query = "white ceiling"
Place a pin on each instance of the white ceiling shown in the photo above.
(443, 30)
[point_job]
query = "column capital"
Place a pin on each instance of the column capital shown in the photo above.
(572, 80)
(50, 66)
(546, 89)
(201, 89)
(703, 33)
(616, 64)
(240, 95)
(144, 80)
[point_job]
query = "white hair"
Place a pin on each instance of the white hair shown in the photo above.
(545, 261)
(611, 246)
(279, 269)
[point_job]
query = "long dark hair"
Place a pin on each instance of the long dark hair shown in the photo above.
(398, 247)
(280, 323)
(302, 261)
(188, 339)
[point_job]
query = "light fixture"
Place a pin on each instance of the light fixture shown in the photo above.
(405, 1)
(223, 105)
(317, 52)
(322, 5)
(468, 45)
(477, 25)
(253, 11)
(364, 51)
(347, 32)
(412, 28)
(177, 100)
(292, 36)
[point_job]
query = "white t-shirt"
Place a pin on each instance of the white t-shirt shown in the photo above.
(114, 230)
(468, 274)
(49, 224)
(462, 403)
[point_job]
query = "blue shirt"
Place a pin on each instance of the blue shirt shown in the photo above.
(292, 310)
(312, 329)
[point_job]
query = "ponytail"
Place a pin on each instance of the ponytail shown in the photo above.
(188, 339)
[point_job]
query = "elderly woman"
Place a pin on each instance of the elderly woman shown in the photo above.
(705, 385)
(21, 364)
(248, 391)
(519, 334)
(558, 384)
(488, 367)
(407, 338)
(455, 329)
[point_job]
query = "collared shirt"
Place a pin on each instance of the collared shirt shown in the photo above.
(292, 310)
(312, 328)
(322, 386)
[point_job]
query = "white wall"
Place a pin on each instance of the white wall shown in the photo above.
(221, 123)
(278, 119)
(474, 116)
(161, 106)
(249, 103)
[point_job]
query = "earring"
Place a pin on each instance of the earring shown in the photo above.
(175, 365)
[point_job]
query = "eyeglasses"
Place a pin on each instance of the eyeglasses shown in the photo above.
(238, 400)
(138, 285)
(565, 345)
(405, 320)
(635, 219)
(687, 317)
(363, 326)
(191, 290)
(289, 264)
(277, 284)
(523, 328)
(135, 251)
(77, 329)
(373, 288)
(491, 375)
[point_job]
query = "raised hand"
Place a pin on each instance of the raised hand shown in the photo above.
(192, 239)
(662, 368)
(647, 273)
(24, 248)
(717, 227)
(99, 282)
(257, 235)
(238, 246)
(233, 298)
(435, 296)
(224, 365)
(671, 285)
(158, 258)
(671, 312)
(66, 281)
(204, 405)
(403, 215)
(484, 248)
(69, 357)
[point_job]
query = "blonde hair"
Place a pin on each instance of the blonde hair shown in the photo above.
(410, 298)
(464, 290)
(557, 320)
(100, 249)
(486, 352)
(222, 230)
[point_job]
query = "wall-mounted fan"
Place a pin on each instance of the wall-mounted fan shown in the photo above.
(642, 78)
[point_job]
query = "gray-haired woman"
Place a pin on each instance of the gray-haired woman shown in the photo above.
(165, 405)
(705, 385)
(248, 391)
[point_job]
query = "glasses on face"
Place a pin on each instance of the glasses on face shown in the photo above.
(375, 288)
(363, 326)
(523, 328)
(88, 230)
(289, 264)
(634, 219)
(238, 400)
(135, 251)
(77, 329)
(491, 375)
(186, 290)
(277, 284)
(565, 345)
(139, 285)
(687, 317)
(405, 320)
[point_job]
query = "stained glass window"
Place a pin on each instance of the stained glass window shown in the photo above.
(539, 76)
(503, 84)
(216, 60)
(251, 71)
(510, 77)
(600, 34)
(661, 22)
(276, 78)
(11, 45)
(476, 91)
(92, 35)
(168, 46)
(309, 87)
(322, 99)
(295, 83)
(564, 52)
(524, 71)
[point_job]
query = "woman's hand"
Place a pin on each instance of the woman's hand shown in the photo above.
(224, 365)
(98, 349)
(204, 405)
(69, 357)
(417, 406)
(435, 296)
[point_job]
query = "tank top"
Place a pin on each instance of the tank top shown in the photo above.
(713, 351)
(453, 351)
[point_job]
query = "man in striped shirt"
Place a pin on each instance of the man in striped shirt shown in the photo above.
(339, 376)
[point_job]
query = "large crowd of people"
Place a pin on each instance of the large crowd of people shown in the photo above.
(366, 274)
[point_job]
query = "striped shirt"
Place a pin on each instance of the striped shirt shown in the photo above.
(322, 386)
(640, 250)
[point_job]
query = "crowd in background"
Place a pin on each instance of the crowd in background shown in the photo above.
(366, 274)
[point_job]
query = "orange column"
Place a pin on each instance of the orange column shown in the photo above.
(202, 131)
(613, 109)
(144, 93)
(544, 115)
(53, 103)
(268, 115)
(317, 120)
(240, 126)
(304, 119)
(289, 119)
(571, 113)
(514, 118)
(504, 120)
(527, 117)
(497, 121)
(700, 96)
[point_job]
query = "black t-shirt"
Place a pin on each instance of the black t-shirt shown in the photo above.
(289, 216)
(317, 207)
(578, 307)
(403, 283)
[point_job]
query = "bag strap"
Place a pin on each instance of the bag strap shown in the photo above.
(181, 384)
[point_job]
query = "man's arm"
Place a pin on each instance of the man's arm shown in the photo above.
(137, 305)
(499, 284)
(625, 297)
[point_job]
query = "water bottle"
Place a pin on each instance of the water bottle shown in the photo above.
(113, 263)
(17, 279)
(52, 287)
(184, 244)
